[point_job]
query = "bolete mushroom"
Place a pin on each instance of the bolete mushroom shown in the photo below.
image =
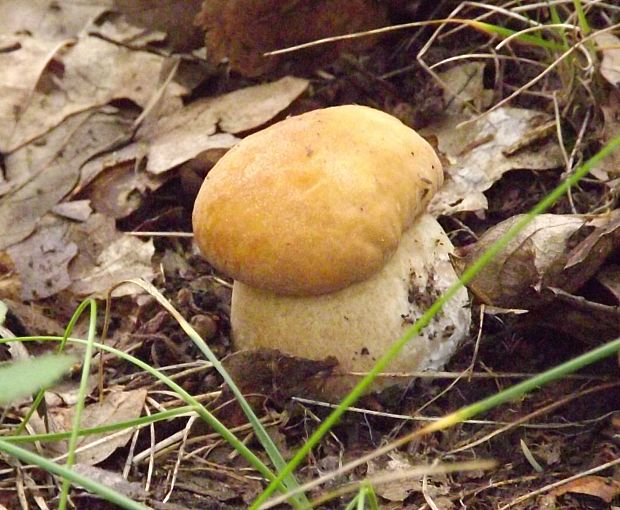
(320, 221)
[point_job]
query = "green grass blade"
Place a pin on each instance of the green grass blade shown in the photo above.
(51, 467)
(22, 378)
(213, 422)
(289, 481)
(423, 321)
(79, 405)
(102, 429)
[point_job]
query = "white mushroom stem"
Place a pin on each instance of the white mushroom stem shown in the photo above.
(359, 323)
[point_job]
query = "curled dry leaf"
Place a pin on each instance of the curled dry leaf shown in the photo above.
(107, 257)
(41, 174)
(601, 487)
(553, 251)
(116, 407)
(174, 17)
(42, 262)
(50, 21)
(184, 134)
(243, 30)
(84, 75)
(609, 46)
(478, 151)
(533, 260)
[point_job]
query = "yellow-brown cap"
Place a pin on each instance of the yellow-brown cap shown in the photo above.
(315, 202)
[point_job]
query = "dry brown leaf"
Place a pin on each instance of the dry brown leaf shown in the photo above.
(85, 75)
(479, 153)
(609, 46)
(576, 317)
(532, 261)
(22, 61)
(119, 190)
(609, 277)
(42, 173)
(601, 487)
(42, 262)
(113, 480)
(106, 257)
(173, 17)
(78, 210)
(609, 168)
(52, 21)
(189, 131)
(243, 30)
(399, 490)
(116, 407)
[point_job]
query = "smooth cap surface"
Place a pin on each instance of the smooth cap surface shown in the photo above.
(315, 202)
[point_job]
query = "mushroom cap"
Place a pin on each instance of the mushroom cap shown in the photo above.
(357, 325)
(315, 202)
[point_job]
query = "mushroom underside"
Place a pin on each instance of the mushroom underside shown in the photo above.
(357, 325)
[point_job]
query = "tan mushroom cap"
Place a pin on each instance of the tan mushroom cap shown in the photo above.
(315, 202)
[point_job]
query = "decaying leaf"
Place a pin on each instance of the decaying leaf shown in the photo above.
(535, 259)
(610, 166)
(42, 262)
(553, 251)
(116, 407)
(189, 131)
(480, 152)
(175, 18)
(51, 21)
(399, 490)
(74, 82)
(41, 174)
(609, 278)
(277, 375)
(601, 487)
(106, 257)
(577, 317)
(112, 479)
(22, 61)
(241, 31)
(609, 46)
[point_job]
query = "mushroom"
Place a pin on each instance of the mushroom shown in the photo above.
(320, 221)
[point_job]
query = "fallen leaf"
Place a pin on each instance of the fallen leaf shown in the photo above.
(601, 487)
(609, 278)
(33, 319)
(609, 46)
(23, 60)
(85, 75)
(117, 406)
(78, 210)
(399, 490)
(42, 173)
(51, 21)
(193, 129)
(119, 190)
(107, 257)
(480, 152)
(610, 166)
(575, 316)
(113, 480)
(42, 262)
(533, 260)
(175, 18)
(241, 31)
